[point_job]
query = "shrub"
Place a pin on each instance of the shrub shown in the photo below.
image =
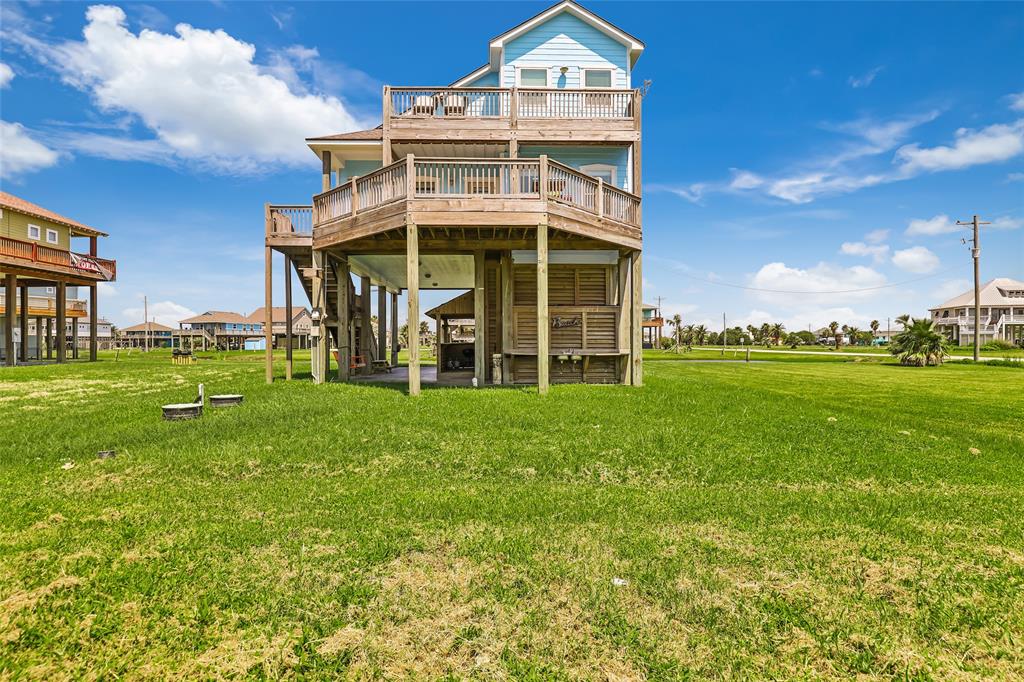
(998, 344)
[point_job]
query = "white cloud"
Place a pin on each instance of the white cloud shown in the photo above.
(6, 75)
(806, 188)
(106, 290)
(823, 283)
(1007, 223)
(164, 312)
(742, 179)
(948, 289)
(878, 252)
(876, 236)
(20, 154)
(917, 259)
(866, 79)
(1015, 177)
(1017, 101)
(994, 143)
(200, 92)
(940, 224)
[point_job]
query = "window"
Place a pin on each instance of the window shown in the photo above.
(51, 236)
(33, 232)
(597, 78)
(605, 171)
(533, 78)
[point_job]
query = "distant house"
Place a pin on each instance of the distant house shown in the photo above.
(653, 324)
(1002, 313)
(228, 330)
(146, 335)
(302, 323)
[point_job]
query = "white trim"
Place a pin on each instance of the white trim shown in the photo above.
(38, 234)
(611, 77)
(56, 236)
(587, 168)
(545, 69)
(482, 71)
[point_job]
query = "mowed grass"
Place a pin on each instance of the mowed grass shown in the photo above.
(776, 519)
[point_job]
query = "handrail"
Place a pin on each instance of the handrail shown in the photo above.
(40, 253)
(290, 219)
(458, 178)
(511, 103)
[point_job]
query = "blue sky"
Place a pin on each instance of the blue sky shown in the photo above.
(787, 147)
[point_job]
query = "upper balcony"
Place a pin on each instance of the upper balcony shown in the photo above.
(34, 259)
(528, 114)
(499, 193)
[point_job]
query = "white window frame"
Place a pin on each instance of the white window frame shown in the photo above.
(614, 171)
(545, 69)
(56, 236)
(611, 79)
(38, 232)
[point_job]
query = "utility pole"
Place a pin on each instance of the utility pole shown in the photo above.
(145, 317)
(725, 334)
(976, 255)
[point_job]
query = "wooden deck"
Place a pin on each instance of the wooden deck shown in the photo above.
(498, 193)
(30, 259)
(505, 114)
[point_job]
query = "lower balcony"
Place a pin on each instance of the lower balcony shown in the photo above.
(476, 193)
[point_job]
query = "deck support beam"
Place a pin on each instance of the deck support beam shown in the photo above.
(10, 296)
(74, 338)
(319, 329)
(636, 355)
(23, 323)
(624, 297)
(382, 322)
(365, 324)
(394, 329)
(479, 318)
(62, 322)
(506, 317)
(412, 275)
(287, 318)
(49, 338)
(543, 321)
(342, 276)
(268, 304)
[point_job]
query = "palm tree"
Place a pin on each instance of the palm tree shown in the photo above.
(677, 322)
(874, 329)
(700, 333)
(766, 334)
(853, 332)
(919, 344)
(833, 329)
(777, 330)
(903, 320)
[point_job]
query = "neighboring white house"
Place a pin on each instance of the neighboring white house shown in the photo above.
(1002, 313)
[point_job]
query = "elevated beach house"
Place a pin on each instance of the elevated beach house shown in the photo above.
(41, 270)
(1002, 313)
(519, 181)
(224, 329)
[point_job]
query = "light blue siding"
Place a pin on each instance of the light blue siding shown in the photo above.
(561, 41)
(582, 156)
(354, 168)
(488, 80)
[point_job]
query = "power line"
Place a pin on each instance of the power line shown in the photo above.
(814, 293)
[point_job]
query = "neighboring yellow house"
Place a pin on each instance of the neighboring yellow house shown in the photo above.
(37, 265)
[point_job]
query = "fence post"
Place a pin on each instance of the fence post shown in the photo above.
(410, 179)
(355, 195)
(600, 198)
(543, 178)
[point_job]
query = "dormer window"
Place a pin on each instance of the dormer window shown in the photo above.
(533, 78)
(597, 78)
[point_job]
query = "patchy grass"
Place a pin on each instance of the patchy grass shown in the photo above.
(803, 519)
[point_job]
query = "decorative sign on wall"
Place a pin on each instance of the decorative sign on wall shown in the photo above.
(564, 322)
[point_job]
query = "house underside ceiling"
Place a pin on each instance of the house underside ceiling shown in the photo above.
(437, 271)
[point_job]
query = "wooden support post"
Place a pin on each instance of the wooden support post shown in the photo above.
(288, 313)
(437, 341)
(394, 329)
(74, 338)
(636, 348)
(23, 323)
(623, 292)
(543, 321)
(49, 338)
(479, 319)
(325, 170)
(268, 310)
(635, 189)
(319, 330)
(365, 323)
(62, 322)
(412, 275)
(10, 301)
(39, 338)
(506, 317)
(342, 274)
(382, 322)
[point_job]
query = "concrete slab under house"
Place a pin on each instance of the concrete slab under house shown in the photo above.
(518, 184)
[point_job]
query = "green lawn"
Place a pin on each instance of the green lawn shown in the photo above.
(779, 519)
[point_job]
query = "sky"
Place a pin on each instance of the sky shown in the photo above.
(791, 150)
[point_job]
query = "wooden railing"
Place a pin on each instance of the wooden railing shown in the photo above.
(101, 268)
(290, 219)
(509, 103)
(452, 178)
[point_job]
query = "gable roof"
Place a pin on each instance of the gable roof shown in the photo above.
(152, 326)
(216, 317)
(459, 307)
(278, 314)
(13, 203)
(993, 292)
(360, 135)
(635, 45)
